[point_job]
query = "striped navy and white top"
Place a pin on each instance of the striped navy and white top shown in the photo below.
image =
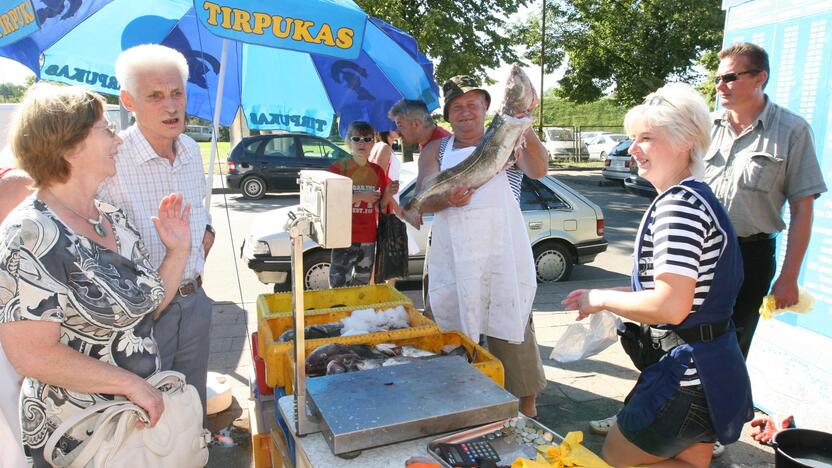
(515, 180)
(681, 237)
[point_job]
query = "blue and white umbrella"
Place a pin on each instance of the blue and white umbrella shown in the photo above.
(344, 62)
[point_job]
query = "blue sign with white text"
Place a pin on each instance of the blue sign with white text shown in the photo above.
(17, 20)
(334, 27)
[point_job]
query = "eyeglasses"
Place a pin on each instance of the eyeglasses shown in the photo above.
(729, 77)
(365, 139)
(656, 99)
(110, 128)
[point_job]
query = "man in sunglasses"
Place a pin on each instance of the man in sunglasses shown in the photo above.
(371, 189)
(761, 156)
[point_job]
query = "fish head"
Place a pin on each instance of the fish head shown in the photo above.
(519, 93)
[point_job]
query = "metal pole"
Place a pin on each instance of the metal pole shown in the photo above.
(542, 63)
(216, 123)
(298, 229)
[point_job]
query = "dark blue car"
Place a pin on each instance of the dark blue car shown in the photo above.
(270, 163)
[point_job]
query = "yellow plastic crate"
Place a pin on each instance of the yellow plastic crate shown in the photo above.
(260, 450)
(273, 352)
(484, 361)
(279, 450)
(331, 300)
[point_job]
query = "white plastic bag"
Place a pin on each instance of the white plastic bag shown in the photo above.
(581, 341)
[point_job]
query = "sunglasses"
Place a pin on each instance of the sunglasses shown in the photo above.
(656, 99)
(729, 77)
(365, 139)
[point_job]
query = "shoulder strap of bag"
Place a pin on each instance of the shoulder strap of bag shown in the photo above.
(89, 446)
(111, 409)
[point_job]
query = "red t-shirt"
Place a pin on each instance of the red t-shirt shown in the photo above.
(438, 132)
(367, 178)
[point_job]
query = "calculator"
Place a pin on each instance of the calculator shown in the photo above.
(468, 454)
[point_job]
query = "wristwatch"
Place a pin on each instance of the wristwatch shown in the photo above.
(210, 229)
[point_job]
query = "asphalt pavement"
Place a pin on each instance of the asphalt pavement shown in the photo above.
(577, 392)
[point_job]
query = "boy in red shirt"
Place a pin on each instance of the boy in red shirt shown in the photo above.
(371, 188)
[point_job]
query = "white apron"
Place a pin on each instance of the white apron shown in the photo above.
(11, 450)
(482, 278)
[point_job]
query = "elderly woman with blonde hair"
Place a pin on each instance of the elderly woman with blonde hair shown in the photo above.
(686, 276)
(77, 291)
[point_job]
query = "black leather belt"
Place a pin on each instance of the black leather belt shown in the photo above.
(757, 237)
(704, 333)
(188, 287)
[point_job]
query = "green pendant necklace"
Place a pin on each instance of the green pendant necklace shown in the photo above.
(96, 222)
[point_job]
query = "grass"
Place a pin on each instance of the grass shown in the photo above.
(223, 149)
(566, 164)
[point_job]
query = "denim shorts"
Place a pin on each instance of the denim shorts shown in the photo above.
(682, 421)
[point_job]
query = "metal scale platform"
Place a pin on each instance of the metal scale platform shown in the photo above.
(382, 406)
(360, 410)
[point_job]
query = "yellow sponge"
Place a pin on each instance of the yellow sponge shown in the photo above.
(769, 309)
(571, 453)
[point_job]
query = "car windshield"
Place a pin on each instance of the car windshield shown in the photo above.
(621, 148)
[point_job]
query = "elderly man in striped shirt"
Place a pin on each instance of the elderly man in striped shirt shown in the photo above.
(157, 159)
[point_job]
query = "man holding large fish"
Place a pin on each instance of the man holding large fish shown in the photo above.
(482, 277)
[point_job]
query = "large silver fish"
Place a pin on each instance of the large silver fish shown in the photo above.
(492, 155)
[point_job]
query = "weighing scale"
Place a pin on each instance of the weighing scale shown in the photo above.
(380, 406)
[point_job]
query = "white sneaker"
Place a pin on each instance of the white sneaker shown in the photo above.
(719, 449)
(603, 426)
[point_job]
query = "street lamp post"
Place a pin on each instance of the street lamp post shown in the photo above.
(542, 63)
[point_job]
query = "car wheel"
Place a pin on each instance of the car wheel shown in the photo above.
(603, 156)
(552, 262)
(254, 187)
(316, 269)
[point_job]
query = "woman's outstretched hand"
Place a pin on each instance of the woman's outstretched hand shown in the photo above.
(584, 300)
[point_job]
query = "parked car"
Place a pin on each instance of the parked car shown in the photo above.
(270, 163)
(561, 143)
(198, 132)
(564, 227)
(618, 162)
(637, 184)
(602, 145)
(591, 135)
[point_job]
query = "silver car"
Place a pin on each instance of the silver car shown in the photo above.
(618, 163)
(564, 229)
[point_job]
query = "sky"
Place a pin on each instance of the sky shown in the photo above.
(13, 72)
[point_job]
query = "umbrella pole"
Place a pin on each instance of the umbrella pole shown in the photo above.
(209, 180)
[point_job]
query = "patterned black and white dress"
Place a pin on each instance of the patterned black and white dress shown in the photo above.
(102, 299)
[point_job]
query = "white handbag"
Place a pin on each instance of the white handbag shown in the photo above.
(177, 440)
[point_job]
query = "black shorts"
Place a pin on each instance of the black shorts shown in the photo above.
(682, 421)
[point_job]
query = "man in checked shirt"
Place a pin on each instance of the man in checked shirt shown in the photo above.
(156, 159)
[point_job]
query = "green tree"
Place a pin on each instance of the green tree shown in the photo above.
(629, 46)
(710, 62)
(10, 92)
(461, 36)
